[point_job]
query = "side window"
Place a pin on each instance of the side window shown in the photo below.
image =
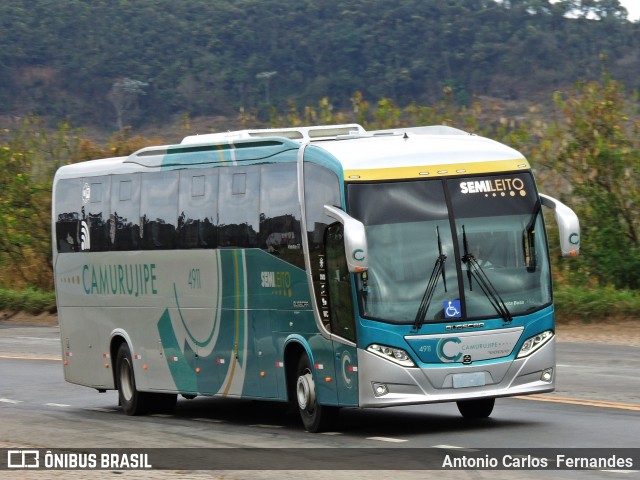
(124, 217)
(95, 197)
(280, 213)
(321, 187)
(339, 284)
(159, 210)
(239, 207)
(68, 203)
(198, 209)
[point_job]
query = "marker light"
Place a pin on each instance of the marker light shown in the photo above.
(396, 355)
(532, 344)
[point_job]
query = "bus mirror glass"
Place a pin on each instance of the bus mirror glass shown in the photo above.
(568, 226)
(355, 239)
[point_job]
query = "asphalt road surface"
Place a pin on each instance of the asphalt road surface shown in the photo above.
(596, 405)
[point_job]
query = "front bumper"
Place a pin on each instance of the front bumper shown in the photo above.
(434, 384)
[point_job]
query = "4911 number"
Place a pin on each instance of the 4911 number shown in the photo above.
(194, 278)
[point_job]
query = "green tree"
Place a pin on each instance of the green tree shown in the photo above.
(29, 157)
(599, 157)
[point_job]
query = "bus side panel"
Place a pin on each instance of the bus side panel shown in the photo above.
(265, 369)
(255, 294)
(85, 348)
(209, 351)
(197, 321)
(164, 304)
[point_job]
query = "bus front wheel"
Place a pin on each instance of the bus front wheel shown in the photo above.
(315, 417)
(480, 408)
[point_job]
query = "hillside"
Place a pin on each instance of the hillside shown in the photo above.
(109, 63)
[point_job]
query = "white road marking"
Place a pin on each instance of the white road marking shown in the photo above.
(57, 405)
(210, 420)
(262, 425)
(620, 471)
(387, 439)
(454, 447)
(40, 339)
(8, 400)
(330, 433)
(99, 409)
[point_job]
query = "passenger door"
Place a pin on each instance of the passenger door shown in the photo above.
(339, 300)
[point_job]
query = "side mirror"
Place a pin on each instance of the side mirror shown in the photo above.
(568, 225)
(355, 239)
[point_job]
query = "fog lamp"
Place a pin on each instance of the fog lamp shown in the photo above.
(380, 389)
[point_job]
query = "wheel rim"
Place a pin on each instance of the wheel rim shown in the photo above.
(306, 392)
(126, 380)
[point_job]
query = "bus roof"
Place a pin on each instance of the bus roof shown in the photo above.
(421, 152)
(416, 152)
(394, 153)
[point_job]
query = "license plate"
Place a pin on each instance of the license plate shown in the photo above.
(464, 380)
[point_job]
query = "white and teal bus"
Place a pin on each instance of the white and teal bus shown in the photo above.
(325, 266)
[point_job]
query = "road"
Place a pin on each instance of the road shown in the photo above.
(597, 404)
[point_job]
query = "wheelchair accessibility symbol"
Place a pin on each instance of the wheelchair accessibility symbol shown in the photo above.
(452, 309)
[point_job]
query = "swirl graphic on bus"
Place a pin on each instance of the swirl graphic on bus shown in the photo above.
(85, 241)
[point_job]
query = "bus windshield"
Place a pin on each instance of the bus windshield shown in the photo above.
(452, 249)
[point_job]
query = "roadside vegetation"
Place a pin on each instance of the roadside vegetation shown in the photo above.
(588, 155)
(29, 300)
(596, 303)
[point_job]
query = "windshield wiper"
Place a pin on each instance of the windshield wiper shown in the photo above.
(475, 270)
(438, 269)
(529, 242)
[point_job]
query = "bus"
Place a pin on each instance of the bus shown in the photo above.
(325, 266)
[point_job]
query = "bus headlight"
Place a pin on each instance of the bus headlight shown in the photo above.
(532, 344)
(396, 355)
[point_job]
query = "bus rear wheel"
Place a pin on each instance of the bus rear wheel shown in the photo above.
(134, 402)
(480, 408)
(315, 417)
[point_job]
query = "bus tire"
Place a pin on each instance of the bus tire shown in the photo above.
(315, 417)
(132, 401)
(473, 409)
